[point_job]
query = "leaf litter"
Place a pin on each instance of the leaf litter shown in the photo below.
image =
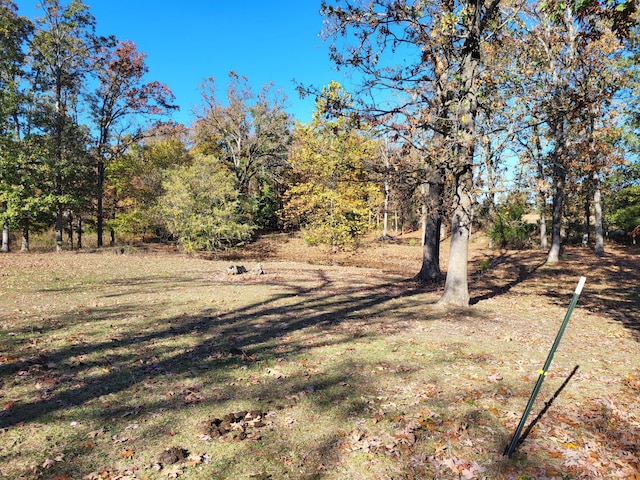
(349, 372)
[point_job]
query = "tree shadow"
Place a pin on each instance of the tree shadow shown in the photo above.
(506, 271)
(612, 288)
(258, 333)
(254, 329)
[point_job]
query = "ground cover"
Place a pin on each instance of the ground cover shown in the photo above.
(152, 364)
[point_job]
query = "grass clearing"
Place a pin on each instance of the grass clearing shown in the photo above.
(106, 361)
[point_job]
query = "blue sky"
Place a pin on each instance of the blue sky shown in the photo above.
(188, 40)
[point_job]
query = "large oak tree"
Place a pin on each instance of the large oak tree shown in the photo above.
(420, 64)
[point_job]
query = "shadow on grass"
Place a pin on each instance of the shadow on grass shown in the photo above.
(612, 287)
(255, 329)
(260, 331)
(506, 271)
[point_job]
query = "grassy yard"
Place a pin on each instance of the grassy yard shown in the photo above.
(155, 365)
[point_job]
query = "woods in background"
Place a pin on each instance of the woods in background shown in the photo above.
(467, 112)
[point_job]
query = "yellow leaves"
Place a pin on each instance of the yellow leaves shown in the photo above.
(328, 192)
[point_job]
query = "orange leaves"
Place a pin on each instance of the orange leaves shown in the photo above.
(631, 382)
(6, 359)
(127, 453)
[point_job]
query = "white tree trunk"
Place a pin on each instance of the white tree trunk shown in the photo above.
(6, 247)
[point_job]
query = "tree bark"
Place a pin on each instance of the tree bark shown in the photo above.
(6, 239)
(100, 212)
(432, 221)
(58, 232)
(25, 239)
(543, 226)
(542, 198)
(387, 195)
(586, 224)
(70, 230)
(464, 138)
(79, 243)
(559, 180)
(456, 288)
(597, 207)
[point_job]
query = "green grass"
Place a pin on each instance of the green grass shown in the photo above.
(107, 360)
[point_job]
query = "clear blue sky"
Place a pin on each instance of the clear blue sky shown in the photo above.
(188, 40)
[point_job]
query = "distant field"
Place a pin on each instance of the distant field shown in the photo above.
(155, 365)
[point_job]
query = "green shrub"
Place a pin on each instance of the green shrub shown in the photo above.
(509, 229)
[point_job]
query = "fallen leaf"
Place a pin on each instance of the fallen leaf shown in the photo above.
(126, 453)
(96, 433)
(119, 439)
(174, 472)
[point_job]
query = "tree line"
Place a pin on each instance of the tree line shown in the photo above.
(467, 113)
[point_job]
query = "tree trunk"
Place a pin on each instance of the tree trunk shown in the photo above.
(79, 223)
(59, 128)
(432, 221)
(597, 207)
(542, 199)
(559, 180)
(586, 222)
(464, 138)
(6, 239)
(491, 184)
(543, 229)
(70, 230)
(25, 239)
(385, 220)
(456, 288)
(58, 233)
(100, 213)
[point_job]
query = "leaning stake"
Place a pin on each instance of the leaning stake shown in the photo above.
(542, 373)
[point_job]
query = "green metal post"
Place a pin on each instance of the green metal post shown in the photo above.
(543, 373)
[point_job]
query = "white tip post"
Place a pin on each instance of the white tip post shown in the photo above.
(580, 285)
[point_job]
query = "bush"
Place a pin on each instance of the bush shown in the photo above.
(509, 230)
(200, 207)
